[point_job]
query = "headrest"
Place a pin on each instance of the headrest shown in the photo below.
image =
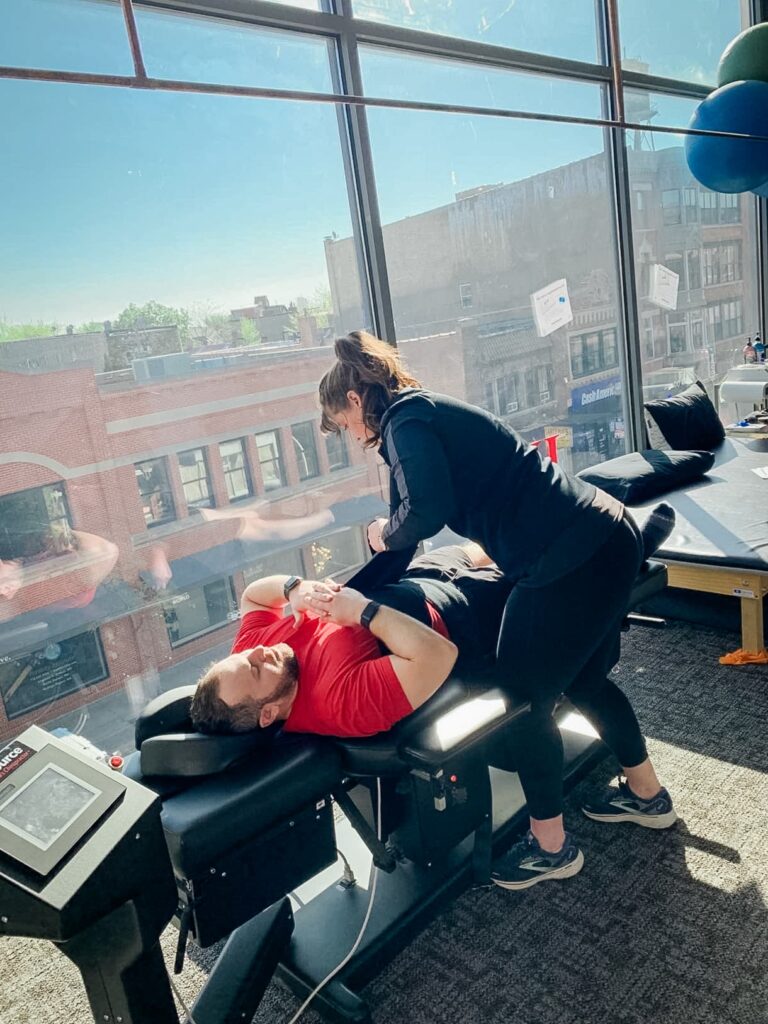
(167, 713)
(169, 745)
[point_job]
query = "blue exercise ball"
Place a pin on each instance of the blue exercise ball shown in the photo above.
(762, 190)
(731, 165)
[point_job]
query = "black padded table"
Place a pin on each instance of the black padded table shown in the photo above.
(720, 541)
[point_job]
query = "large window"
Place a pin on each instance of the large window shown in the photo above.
(336, 448)
(305, 445)
(237, 475)
(155, 491)
(271, 460)
(34, 524)
(338, 553)
(594, 352)
(176, 371)
(193, 467)
(199, 610)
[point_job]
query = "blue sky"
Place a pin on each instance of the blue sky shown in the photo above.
(116, 195)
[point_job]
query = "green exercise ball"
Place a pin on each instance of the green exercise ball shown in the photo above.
(746, 57)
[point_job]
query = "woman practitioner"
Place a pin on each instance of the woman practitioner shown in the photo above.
(572, 551)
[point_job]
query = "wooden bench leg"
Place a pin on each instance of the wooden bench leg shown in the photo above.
(752, 638)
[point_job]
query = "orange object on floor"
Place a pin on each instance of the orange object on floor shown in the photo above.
(742, 657)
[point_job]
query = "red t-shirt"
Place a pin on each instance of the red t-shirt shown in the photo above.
(347, 687)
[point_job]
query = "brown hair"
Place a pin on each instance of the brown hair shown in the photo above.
(210, 714)
(370, 367)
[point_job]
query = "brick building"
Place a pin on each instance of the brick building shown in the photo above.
(134, 512)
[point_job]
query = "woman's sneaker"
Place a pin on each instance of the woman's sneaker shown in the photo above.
(621, 804)
(526, 864)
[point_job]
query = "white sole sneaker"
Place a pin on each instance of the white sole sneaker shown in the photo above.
(646, 820)
(566, 871)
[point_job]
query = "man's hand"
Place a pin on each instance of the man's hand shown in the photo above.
(344, 606)
(299, 597)
(374, 534)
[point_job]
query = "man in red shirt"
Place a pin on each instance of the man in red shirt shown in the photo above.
(344, 665)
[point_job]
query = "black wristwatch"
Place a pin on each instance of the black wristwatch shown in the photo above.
(367, 614)
(290, 583)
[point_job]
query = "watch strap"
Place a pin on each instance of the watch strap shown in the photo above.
(290, 583)
(367, 614)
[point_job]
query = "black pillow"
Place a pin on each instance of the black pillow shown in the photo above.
(688, 420)
(636, 477)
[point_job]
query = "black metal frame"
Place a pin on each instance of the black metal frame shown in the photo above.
(345, 34)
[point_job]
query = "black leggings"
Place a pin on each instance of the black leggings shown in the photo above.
(563, 637)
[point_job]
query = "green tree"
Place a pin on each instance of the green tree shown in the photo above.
(249, 332)
(17, 332)
(90, 327)
(153, 314)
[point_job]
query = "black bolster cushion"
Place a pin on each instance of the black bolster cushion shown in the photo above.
(688, 420)
(640, 476)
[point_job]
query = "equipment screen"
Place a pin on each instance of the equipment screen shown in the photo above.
(47, 805)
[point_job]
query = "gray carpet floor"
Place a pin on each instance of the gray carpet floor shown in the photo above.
(668, 927)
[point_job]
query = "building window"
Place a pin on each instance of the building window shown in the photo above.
(35, 524)
(594, 352)
(287, 563)
(336, 448)
(697, 334)
(539, 384)
(725, 319)
(43, 676)
(691, 201)
(670, 206)
(193, 467)
(236, 475)
(708, 204)
(271, 460)
(155, 491)
(678, 336)
(694, 269)
(502, 395)
(337, 553)
(305, 444)
(465, 296)
(200, 610)
(730, 208)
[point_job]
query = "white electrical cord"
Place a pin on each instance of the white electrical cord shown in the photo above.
(361, 933)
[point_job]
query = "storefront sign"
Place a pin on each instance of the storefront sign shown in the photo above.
(591, 395)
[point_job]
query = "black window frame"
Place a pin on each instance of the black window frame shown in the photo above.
(245, 469)
(339, 442)
(195, 503)
(166, 491)
(304, 450)
(58, 528)
(278, 459)
(171, 620)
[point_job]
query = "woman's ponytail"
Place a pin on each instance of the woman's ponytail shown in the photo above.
(371, 368)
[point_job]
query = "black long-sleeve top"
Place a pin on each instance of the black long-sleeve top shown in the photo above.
(452, 464)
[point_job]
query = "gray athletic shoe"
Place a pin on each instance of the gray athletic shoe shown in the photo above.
(526, 864)
(620, 804)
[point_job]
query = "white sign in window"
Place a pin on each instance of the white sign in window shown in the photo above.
(551, 307)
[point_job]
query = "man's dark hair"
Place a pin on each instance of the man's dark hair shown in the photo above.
(210, 714)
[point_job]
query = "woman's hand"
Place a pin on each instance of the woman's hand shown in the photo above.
(299, 597)
(344, 606)
(374, 535)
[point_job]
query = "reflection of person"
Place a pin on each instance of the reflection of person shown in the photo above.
(93, 558)
(759, 348)
(252, 526)
(749, 353)
(572, 552)
(321, 671)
